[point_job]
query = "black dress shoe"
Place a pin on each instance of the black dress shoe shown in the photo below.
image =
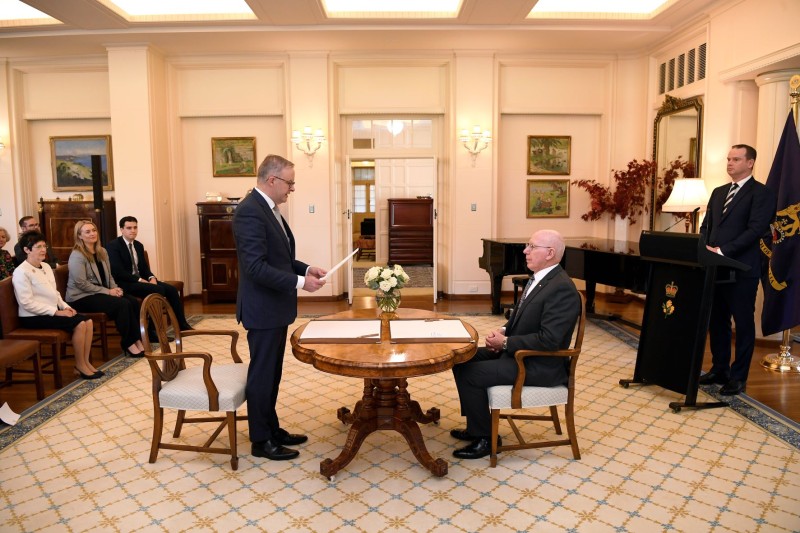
(273, 451)
(732, 388)
(480, 447)
(461, 434)
(713, 377)
(289, 439)
(97, 375)
(131, 354)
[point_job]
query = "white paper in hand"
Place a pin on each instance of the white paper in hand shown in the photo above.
(7, 415)
(339, 264)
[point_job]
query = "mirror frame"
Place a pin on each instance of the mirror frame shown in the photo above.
(673, 106)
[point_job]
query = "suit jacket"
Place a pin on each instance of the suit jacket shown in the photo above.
(84, 278)
(545, 320)
(121, 264)
(268, 270)
(746, 220)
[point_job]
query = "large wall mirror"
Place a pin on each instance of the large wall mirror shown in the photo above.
(676, 132)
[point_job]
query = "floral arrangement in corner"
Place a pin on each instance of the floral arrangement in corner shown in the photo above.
(627, 199)
(387, 281)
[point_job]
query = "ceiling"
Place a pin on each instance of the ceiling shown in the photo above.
(301, 25)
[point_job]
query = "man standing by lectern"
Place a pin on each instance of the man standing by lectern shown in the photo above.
(738, 215)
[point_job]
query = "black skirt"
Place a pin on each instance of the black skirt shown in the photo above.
(64, 323)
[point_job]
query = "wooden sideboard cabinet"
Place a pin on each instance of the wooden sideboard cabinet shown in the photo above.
(411, 231)
(220, 267)
(57, 220)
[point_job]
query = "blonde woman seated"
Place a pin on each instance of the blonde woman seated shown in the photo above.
(41, 306)
(6, 261)
(92, 289)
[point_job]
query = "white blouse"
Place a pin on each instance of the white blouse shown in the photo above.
(36, 292)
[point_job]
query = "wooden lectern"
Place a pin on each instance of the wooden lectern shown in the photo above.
(677, 311)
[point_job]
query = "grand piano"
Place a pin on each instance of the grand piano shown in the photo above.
(591, 259)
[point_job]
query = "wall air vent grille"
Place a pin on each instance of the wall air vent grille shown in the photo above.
(684, 69)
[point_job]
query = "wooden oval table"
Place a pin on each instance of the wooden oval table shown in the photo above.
(385, 368)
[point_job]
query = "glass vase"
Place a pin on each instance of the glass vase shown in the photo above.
(388, 302)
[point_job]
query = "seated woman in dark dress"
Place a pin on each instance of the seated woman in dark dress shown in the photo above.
(92, 289)
(41, 305)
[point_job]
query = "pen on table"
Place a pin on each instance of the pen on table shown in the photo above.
(368, 336)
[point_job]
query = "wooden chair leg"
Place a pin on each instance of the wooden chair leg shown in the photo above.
(573, 439)
(179, 424)
(58, 379)
(556, 423)
(495, 431)
(38, 378)
(158, 427)
(232, 438)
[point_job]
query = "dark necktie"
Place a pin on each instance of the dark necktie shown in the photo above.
(729, 198)
(280, 220)
(526, 289)
(133, 260)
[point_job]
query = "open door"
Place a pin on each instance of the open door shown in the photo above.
(348, 227)
(435, 196)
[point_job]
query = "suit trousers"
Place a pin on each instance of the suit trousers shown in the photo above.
(485, 369)
(263, 379)
(123, 310)
(738, 301)
(143, 290)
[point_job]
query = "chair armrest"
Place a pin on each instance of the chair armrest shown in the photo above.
(171, 370)
(233, 334)
(520, 356)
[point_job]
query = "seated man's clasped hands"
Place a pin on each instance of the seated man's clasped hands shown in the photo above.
(543, 319)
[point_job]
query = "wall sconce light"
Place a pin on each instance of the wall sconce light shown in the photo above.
(475, 142)
(688, 196)
(2, 145)
(308, 143)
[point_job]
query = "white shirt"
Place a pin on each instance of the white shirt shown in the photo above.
(300, 279)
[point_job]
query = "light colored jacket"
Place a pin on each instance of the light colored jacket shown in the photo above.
(36, 292)
(84, 278)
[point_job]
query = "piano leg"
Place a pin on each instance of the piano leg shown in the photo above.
(591, 288)
(497, 286)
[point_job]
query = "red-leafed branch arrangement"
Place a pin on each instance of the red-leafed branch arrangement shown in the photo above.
(632, 189)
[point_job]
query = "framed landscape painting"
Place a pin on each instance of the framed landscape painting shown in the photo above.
(549, 154)
(548, 198)
(233, 156)
(71, 159)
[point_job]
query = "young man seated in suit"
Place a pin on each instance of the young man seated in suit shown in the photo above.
(132, 272)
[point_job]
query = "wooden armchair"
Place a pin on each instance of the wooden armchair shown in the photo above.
(100, 320)
(508, 398)
(206, 387)
(13, 352)
(11, 329)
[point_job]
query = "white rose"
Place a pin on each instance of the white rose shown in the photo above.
(392, 282)
(372, 274)
(386, 274)
(385, 286)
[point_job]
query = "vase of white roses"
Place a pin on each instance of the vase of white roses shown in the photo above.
(387, 281)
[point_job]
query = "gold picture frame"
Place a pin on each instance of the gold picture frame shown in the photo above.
(547, 198)
(233, 157)
(71, 161)
(549, 154)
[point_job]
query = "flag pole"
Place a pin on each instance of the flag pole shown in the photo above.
(783, 360)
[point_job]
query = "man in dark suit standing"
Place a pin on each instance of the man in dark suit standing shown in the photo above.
(269, 277)
(543, 319)
(131, 271)
(738, 215)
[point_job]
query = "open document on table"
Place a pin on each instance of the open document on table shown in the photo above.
(428, 330)
(342, 332)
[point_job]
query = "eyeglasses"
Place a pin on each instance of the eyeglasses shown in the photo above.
(40, 246)
(289, 183)
(530, 246)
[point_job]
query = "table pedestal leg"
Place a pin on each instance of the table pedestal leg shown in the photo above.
(385, 404)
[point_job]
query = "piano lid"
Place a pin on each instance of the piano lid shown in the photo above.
(584, 243)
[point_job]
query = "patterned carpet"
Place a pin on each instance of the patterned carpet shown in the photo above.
(643, 467)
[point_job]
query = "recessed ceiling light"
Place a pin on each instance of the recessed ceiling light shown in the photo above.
(391, 8)
(16, 10)
(181, 7)
(622, 7)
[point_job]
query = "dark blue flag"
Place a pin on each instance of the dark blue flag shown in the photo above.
(781, 280)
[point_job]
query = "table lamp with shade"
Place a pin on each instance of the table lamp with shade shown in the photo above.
(688, 194)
